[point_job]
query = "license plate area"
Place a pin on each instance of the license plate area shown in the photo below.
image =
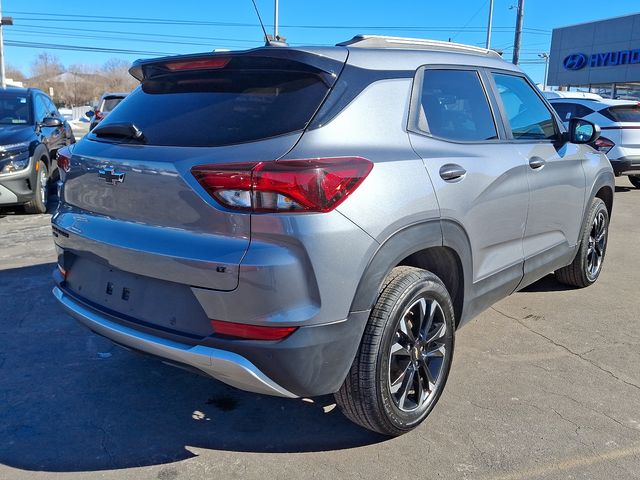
(168, 305)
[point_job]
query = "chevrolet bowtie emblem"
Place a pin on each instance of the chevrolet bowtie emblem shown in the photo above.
(111, 176)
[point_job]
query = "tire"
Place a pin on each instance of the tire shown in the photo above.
(587, 264)
(635, 180)
(40, 191)
(374, 395)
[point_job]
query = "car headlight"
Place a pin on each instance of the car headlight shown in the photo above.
(14, 157)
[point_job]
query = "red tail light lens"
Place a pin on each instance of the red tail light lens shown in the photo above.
(64, 159)
(251, 332)
(201, 64)
(313, 185)
(99, 115)
(603, 144)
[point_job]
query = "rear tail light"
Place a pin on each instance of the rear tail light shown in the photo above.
(251, 332)
(313, 185)
(603, 144)
(64, 159)
(99, 115)
(62, 271)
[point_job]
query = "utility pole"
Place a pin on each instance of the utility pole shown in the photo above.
(3, 21)
(516, 41)
(275, 21)
(488, 46)
(545, 56)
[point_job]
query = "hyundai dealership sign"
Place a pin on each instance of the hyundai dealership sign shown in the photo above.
(577, 61)
(596, 53)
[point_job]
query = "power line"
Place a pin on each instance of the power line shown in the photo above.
(53, 46)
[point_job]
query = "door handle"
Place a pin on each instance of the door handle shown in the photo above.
(536, 163)
(451, 172)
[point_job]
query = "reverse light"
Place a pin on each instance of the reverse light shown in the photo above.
(603, 144)
(311, 185)
(251, 332)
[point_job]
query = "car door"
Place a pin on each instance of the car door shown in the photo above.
(479, 179)
(555, 174)
(57, 135)
(41, 112)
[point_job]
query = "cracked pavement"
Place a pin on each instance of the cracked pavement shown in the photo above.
(544, 385)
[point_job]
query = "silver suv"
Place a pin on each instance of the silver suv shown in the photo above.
(309, 221)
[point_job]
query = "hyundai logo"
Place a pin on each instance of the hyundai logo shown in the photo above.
(575, 61)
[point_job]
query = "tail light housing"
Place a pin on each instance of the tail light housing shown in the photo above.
(99, 115)
(251, 332)
(64, 159)
(603, 144)
(310, 185)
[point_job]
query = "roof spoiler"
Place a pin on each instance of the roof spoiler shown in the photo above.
(331, 64)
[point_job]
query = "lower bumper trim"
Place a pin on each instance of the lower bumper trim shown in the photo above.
(228, 367)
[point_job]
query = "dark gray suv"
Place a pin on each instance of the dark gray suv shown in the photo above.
(309, 221)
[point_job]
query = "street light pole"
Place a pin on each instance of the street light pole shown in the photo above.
(516, 41)
(275, 21)
(545, 56)
(488, 45)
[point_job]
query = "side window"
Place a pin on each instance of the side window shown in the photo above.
(53, 110)
(526, 113)
(453, 106)
(40, 108)
(582, 111)
(565, 110)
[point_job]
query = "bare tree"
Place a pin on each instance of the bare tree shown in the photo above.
(14, 73)
(118, 78)
(46, 65)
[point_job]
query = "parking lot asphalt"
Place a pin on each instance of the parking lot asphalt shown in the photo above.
(544, 385)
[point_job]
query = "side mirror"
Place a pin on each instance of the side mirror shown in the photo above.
(51, 122)
(90, 113)
(583, 131)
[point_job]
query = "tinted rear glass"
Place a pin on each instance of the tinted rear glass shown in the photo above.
(15, 109)
(110, 103)
(626, 113)
(222, 107)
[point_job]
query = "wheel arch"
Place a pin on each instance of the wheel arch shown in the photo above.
(440, 247)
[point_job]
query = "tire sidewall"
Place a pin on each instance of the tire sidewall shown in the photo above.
(400, 420)
(597, 207)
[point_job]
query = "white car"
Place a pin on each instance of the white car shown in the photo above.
(620, 124)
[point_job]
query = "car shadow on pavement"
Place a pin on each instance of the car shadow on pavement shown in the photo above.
(623, 189)
(72, 401)
(547, 284)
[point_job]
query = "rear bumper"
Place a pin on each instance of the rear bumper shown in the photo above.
(225, 366)
(312, 361)
(626, 165)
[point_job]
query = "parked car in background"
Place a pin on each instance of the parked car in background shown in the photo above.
(107, 102)
(31, 132)
(320, 220)
(619, 121)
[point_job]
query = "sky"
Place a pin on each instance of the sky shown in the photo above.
(86, 32)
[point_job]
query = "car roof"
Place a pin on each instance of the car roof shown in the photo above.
(596, 104)
(377, 52)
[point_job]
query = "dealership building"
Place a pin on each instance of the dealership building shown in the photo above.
(601, 57)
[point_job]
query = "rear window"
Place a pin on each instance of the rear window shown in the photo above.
(110, 103)
(625, 113)
(222, 107)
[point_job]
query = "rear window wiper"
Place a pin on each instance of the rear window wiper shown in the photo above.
(121, 130)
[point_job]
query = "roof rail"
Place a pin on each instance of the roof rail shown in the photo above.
(383, 41)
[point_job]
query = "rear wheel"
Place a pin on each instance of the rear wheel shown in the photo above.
(635, 180)
(405, 355)
(587, 264)
(40, 191)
